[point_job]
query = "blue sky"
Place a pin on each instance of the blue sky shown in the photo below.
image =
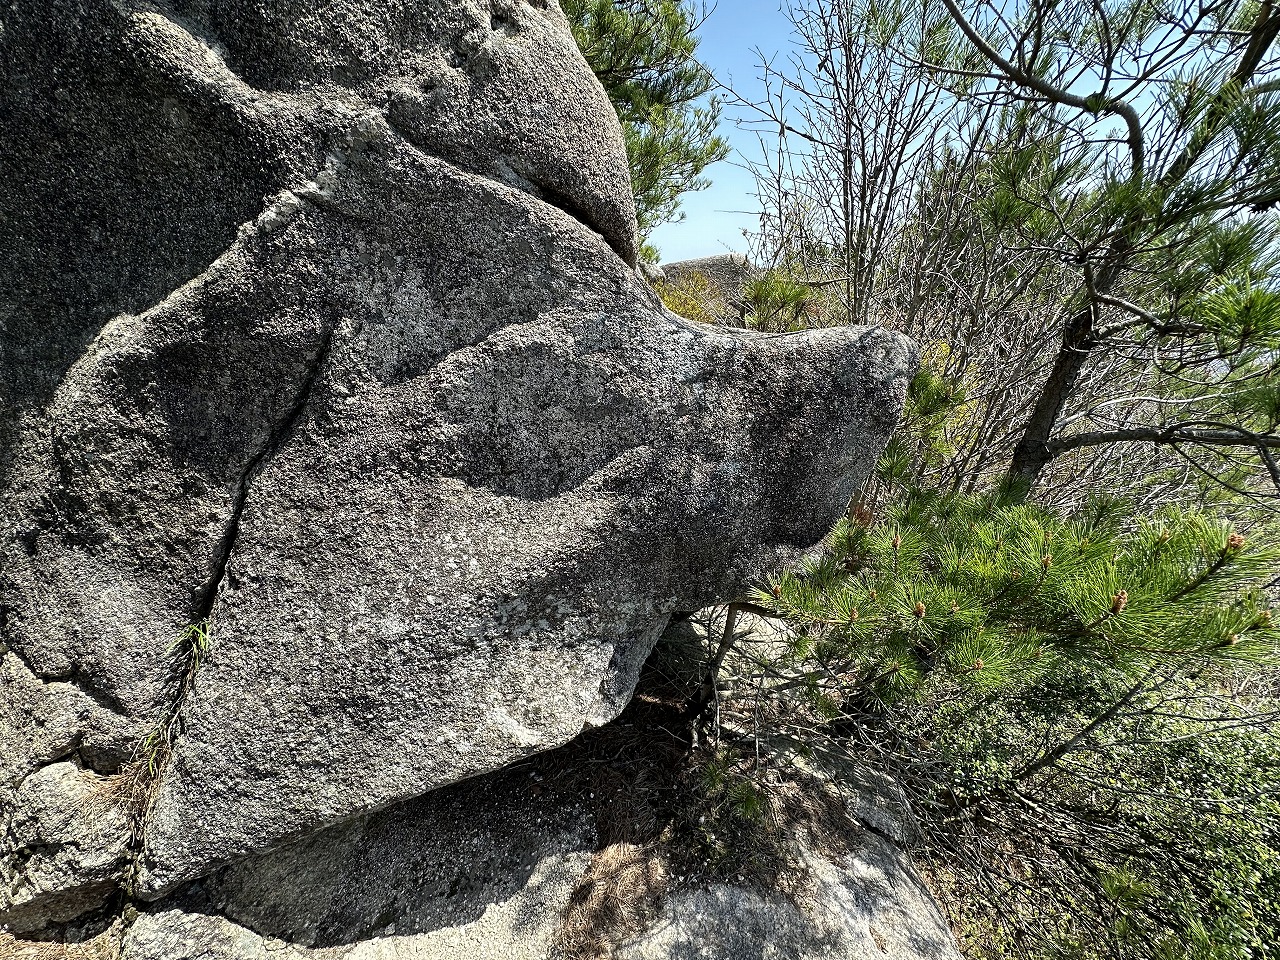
(729, 37)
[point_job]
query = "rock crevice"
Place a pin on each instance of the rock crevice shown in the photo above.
(206, 597)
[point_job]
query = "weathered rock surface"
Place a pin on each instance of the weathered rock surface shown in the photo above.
(319, 325)
(481, 870)
(870, 904)
(62, 841)
(65, 844)
(486, 870)
(500, 866)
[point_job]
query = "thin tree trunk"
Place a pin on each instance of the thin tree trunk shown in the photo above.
(1032, 453)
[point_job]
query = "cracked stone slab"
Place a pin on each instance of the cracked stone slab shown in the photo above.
(481, 870)
(62, 841)
(321, 325)
(65, 844)
(44, 721)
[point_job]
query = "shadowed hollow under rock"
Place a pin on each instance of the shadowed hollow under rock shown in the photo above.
(587, 851)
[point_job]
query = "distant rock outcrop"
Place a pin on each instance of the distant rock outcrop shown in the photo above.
(343, 453)
(726, 277)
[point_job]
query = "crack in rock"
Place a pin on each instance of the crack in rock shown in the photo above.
(275, 441)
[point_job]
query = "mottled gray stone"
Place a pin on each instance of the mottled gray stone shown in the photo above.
(44, 721)
(321, 323)
(62, 842)
(64, 845)
(151, 135)
(462, 548)
(870, 904)
(174, 935)
(481, 871)
(486, 870)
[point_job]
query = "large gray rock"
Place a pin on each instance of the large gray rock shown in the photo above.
(318, 326)
(502, 867)
(871, 904)
(481, 871)
(492, 870)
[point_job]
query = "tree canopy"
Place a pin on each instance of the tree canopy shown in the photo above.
(1084, 192)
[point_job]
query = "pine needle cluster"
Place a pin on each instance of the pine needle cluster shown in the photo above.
(985, 593)
(1075, 705)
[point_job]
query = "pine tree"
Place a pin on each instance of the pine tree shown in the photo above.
(1154, 176)
(1084, 194)
(1057, 694)
(983, 592)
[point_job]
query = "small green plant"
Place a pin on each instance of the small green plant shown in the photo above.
(134, 787)
(731, 789)
(192, 645)
(779, 303)
(933, 405)
(747, 806)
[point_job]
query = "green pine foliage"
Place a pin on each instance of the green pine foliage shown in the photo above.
(1053, 694)
(934, 405)
(1058, 694)
(778, 302)
(644, 52)
(982, 592)
(1077, 695)
(1078, 706)
(1160, 190)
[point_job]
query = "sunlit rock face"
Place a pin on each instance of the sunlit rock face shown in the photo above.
(319, 331)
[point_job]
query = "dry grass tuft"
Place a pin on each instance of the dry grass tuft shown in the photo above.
(105, 946)
(623, 890)
(133, 790)
(619, 897)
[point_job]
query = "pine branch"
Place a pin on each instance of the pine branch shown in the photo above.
(1235, 436)
(1262, 36)
(1096, 103)
(1056, 754)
